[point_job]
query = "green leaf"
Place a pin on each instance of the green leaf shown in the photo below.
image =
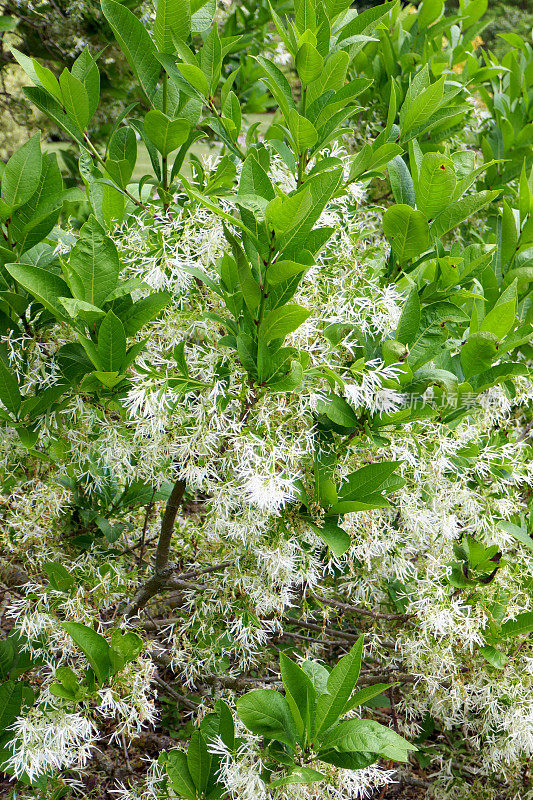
(508, 236)
(266, 713)
(94, 264)
(22, 173)
(144, 311)
(436, 184)
(428, 12)
(60, 579)
(336, 538)
(195, 77)
(211, 59)
(417, 110)
(401, 182)
(341, 682)
(478, 352)
(502, 318)
(199, 761)
(497, 374)
(111, 343)
(303, 131)
(278, 85)
(409, 322)
(432, 332)
(322, 188)
(286, 213)
(283, 270)
(308, 63)
(519, 534)
(493, 656)
(9, 390)
(305, 17)
(362, 697)
(299, 693)
(338, 410)
(94, 646)
(332, 77)
(127, 645)
(460, 210)
(367, 480)
(122, 156)
(300, 775)
(135, 43)
(367, 736)
(166, 134)
(282, 321)
(203, 12)
(521, 624)
(180, 777)
(173, 18)
(11, 699)
(86, 70)
(407, 231)
(75, 99)
(46, 287)
(366, 21)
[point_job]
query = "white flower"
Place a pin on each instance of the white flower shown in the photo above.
(269, 492)
(50, 739)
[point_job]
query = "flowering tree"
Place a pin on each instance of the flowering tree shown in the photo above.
(265, 461)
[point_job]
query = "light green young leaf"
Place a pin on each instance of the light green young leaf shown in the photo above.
(508, 236)
(332, 77)
(53, 109)
(195, 77)
(418, 107)
(86, 70)
(428, 12)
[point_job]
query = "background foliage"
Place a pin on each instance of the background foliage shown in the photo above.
(265, 344)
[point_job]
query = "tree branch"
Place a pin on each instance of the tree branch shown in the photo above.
(162, 570)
